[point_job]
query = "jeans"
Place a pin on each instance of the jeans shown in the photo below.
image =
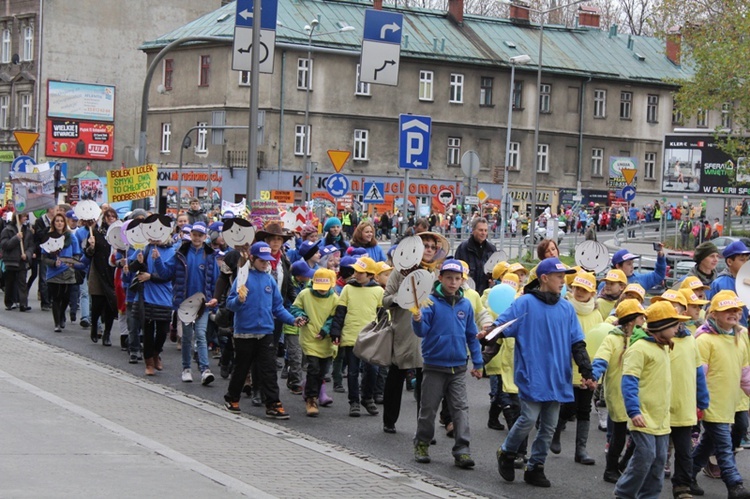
(368, 376)
(199, 327)
(75, 293)
(43, 288)
(294, 360)
(547, 412)
(154, 336)
(644, 476)
(739, 428)
(84, 301)
(134, 328)
(717, 440)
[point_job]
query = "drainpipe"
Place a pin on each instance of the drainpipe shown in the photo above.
(582, 107)
(281, 121)
(39, 76)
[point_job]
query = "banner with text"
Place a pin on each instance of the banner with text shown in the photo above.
(618, 179)
(80, 139)
(33, 191)
(128, 184)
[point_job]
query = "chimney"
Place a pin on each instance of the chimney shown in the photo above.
(377, 4)
(456, 11)
(588, 17)
(674, 45)
(519, 12)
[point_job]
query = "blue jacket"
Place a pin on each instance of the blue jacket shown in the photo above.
(376, 253)
(262, 304)
(158, 289)
(649, 280)
(71, 249)
(210, 273)
(725, 280)
(447, 328)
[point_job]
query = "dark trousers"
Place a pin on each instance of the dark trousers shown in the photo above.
(683, 455)
(581, 408)
(75, 296)
(59, 295)
(100, 308)
(248, 352)
(15, 287)
(616, 445)
(34, 272)
(394, 388)
(369, 374)
(154, 334)
(316, 370)
(739, 428)
(43, 287)
(134, 328)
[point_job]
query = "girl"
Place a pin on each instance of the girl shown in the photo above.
(332, 230)
(60, 276)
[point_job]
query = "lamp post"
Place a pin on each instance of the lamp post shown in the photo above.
(514, 61)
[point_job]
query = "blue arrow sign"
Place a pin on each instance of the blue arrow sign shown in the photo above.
(628, 193)
(381, 26)
(269, 10)
(23, 164)
(374, 193)
(337, 185)
(414, 141)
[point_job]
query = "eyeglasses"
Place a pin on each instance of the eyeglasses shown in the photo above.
(430, 246)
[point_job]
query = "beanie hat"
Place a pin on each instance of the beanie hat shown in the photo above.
(307, 230)
(331, 222)
(703, 250)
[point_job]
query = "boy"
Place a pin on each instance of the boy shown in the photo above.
(447, 329)
(646, 387)
(255, 305)
(614, 284)
(735, 255)
(301, 275)
(384, 272)
(317, 304)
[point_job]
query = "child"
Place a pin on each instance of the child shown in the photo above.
(317, 304)
(694, 284)
(309, 252)
(447, 329)
(694, 309)
(635, 291)
(301, 275)
(255, 305)
(359, 303)
(646, 387)
(384, 272)
(520, 271)
(330, 258)
(614, 284)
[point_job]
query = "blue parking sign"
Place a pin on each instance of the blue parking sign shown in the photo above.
(414, 141)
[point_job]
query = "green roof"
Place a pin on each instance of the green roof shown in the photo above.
(430, 35)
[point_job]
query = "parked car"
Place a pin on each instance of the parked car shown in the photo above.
(541, 233)
(722, 242)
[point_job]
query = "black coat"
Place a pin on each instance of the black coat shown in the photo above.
(476, 256)
(11, 246)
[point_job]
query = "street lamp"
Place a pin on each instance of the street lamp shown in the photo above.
(518, 60)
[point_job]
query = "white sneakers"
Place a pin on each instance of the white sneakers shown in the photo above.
(187, 376)
(206, 378)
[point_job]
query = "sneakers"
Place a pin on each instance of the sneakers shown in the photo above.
(276, 411)
(311, 404)
(370, 407)
(225, 371)
(712, 470)
(738, 492)
(535, 476)
(187, 376)
(681, 492)
(389, 429)
(85, 324)
(72, 316)
(505, 465)
(354, 409)
(133, 358)
(295, 389)
(57, 329)
(520, 462)
(611, 476)
(696, 489)
(339, 388)
(379, 399)
(464, 461)
(285, 372)
(667, 470)
(449, 430)
(421, 452)
(207, 378)
(233, 407)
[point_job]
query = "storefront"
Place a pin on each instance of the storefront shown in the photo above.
(521, 198)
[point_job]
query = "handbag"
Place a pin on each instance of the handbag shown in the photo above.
(374, 344)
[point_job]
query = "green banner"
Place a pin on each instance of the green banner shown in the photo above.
(7, 156)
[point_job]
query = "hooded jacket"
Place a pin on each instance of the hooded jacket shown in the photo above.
(210, 273)
(262, 304)
(157, 290)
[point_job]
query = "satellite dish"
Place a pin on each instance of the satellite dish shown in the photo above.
(15, 59)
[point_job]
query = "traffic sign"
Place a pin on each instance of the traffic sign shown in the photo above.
(26, 140)
(337, 185)
(374, 193)
(338, 158)
(470, 164)
(381, 47)
(445, 196)
(628, 174)
(482, 195)
(472, 200)
(628, 193)
(414, 141)
(242, 52)
(268, 14)
(23, 164)
(383, 26)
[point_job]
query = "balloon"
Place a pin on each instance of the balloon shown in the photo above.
(500, 298)
(564, 291)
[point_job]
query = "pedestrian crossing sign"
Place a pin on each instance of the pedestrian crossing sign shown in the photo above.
(374, 192)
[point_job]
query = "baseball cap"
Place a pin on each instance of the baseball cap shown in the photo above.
(499, 270)
(199, 227)
(635, 288)
(71, 214)
(452, 265)
(351, 250)
(616, 275)
(517, 267)
(187, 228)
(623, 256)
(466, 269)
(262, 250)
(692, 298)
(383, 267)
(307, 249)
(734, 249)
(584, 280)
(365, 264)
(347, 261)
(511, 280)
(629, 307)
(569, 278)
(216, 226)
(300, 268)
(671, 296)
(692, 283)
(329, 250)
(323, 279)
(661, 315)
(724, 300)
(551, 266)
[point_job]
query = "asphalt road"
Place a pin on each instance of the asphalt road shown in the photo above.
(364, 435)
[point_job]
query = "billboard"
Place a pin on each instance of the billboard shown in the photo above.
(619, 178)
(695, 164)
(82, 101)
(79, 140)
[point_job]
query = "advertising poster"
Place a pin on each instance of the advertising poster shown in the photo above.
(82, 101)
(80, 139)
(128, 184)
(617, 179)
(90, 189)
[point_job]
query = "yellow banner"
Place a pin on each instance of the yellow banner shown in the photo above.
(129, 184)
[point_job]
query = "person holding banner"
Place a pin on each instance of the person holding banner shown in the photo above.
(17, 241)
(101, 276)
(60, 275)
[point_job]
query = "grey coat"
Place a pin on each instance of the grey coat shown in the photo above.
(407, 347)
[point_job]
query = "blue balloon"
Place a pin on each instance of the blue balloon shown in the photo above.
(564, 290)
(500, 298)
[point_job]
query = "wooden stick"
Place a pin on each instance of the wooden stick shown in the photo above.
(414, 291)
(20, 231)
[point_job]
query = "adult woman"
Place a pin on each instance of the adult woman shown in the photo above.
(101, 277)
(60, 276)
(17, 241)
(547, 249)
(407, 351)
(364, 237)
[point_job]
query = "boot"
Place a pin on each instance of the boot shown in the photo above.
(323, 398)
(554, 446)
(493, 422)
(603, 414)
(510, 416)
(312, 407)
(150, 367)
(582, 437)
(157, 362)
(106, 341)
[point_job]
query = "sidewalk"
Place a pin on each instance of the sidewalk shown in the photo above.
(73, 428)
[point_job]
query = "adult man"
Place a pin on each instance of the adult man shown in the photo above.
(196, 213)
(735, 255)
(476, 251)
(547, 334)
(632, 219)
(623, 260)
(41, 228)
(348, 221)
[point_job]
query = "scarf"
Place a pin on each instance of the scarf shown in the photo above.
(607, 297)
(583, 309)
(545, 296)
(715, 327)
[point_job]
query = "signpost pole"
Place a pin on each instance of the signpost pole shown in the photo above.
(252, 148)
(405, 219)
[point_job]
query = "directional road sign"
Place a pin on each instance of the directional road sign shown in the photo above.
(242, 57)
(268, 14)
(381, 47)
(337, 185)
(374, 192)
(414, 141)
(628, 193)
(23, 164)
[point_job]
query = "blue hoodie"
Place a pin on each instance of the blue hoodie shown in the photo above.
(70, 250)
(262, 304)
(446, 328)
(158, 289)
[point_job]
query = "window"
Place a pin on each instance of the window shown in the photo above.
(301, 144)
(544, 97)
(166, 136)
(514, 157)
(25, 111)
(652, 109)
(360, 145)
(28, 43)
(485, 91)
(597, 158)
(205, 70)
(244, 78)
(362, 88)
(200, 144)
(454, 150)
(649, 165)
(457, 88)
(543, 155)
(517, 95)
(425, 85)
(600, 103)
(702, 118)
(4, 105)
(167, 76)
(677, 118)
(5, 51)
(626, 105)
(304, 74)
(726, 115)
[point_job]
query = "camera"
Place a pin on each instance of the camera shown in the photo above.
(658, 246)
